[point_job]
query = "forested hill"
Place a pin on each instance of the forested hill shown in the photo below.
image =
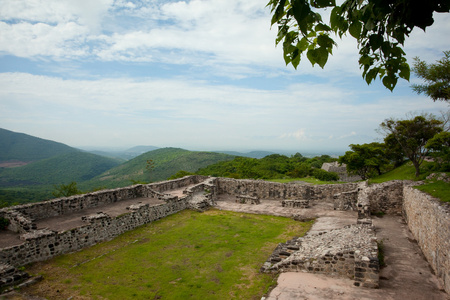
(60, 169)
(165, 163)
(272, 166)
(25, 148)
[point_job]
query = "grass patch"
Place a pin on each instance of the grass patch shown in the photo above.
(189, 255)
(437, 189)
(380, 246)
(404, 172)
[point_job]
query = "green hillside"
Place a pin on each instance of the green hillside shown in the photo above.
(167, 162)
(61, 169)
(26, 148)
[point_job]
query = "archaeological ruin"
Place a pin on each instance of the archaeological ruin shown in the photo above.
(39, 231)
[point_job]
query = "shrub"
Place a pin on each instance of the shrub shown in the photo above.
(4, 223)
(325, 176)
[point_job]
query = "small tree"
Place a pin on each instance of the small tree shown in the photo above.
(365, 160)
(440, 150)
(66, 190)
(436, 76)
(412, 136)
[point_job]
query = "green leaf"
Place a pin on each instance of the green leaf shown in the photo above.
(279, 12)
(375, 41)
(404, 71)
(322, 27)
(295, 58)
(370, 76)
(355, 29)
(311, 56)
(300, 9)
(321, 56)
(303, 44)
(324, 40)
(389, 82)
(335, 18)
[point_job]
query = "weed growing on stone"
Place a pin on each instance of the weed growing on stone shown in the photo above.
(381, 254)
(189, 255)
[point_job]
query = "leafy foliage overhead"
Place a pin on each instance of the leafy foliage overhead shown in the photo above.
(380, 28)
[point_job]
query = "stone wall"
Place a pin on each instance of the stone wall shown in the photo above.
(279, 191)
(341, 170)
(429, 221)
(386, 197)
(22, 216)
(350, 252)
(43, 244)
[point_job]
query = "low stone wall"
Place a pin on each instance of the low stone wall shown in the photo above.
(22, 217)
(202, 195)
(351, 252)
(429, 221)
(386, 197)
(284, 191)
(44, 244)
(167, 185)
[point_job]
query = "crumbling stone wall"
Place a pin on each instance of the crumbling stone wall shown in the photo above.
(44, 244)
(429, 221)
(341, 170)
(67, 205)
(386, 197)
(350, 252)
(281, 191)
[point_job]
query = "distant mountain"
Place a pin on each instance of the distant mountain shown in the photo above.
(167, 162)
(60, 169)
(252, 154)
(19, 147)
(141, 149)
(127, 154)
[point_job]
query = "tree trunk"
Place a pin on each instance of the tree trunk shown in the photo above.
(417, 167)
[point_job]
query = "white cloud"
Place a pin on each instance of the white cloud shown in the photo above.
(30, 40)
(299, 135)
(230, 38)
(169, 112)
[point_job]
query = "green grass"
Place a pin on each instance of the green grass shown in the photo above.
(189, 255)
(311, 180)
(404, 172)
(438, 189)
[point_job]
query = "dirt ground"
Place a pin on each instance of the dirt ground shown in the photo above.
(406, 276)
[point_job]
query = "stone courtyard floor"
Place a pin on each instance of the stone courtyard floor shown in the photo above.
(407, 274)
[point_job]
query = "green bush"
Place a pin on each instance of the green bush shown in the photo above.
(325, 176)
(3, 223)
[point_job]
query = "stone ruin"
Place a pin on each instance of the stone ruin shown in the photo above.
(350, 251)
(341, 170)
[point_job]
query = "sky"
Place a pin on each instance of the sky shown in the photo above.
(199, 75)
